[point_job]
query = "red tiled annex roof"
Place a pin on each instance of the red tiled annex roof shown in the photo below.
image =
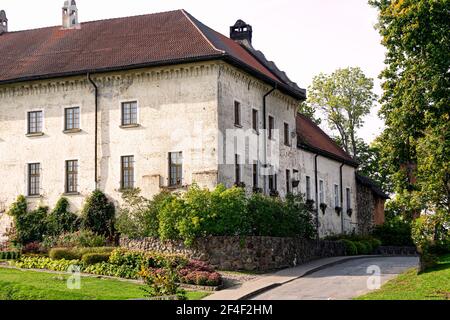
(312, 137)
(114, 44)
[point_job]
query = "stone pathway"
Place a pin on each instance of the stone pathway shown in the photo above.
(263, 283)
(343, 281)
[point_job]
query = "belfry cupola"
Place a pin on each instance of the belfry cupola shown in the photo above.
(70, 15)
(3, 22)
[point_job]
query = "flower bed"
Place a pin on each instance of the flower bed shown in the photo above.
(130, 265)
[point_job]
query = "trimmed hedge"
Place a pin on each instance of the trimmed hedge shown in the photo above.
(94, 258)
(64, 253)
(350, 247)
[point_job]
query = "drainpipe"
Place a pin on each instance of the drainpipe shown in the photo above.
(342, 198)
(96, 130)
(317, 194)
(265, 133)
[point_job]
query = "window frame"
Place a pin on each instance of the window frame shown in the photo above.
(287, 138)
(271, 126)
(308, 188)
(127, 184)
(255, 120)
(237, 169)
(34, 187)
(337, 200)
(71, 188)
(78, 115)
(288, 181)
(36, 122)
(348, 198)
(255, 173)
(237, 113)
(321, 191)
(177, 173)
(132, 116)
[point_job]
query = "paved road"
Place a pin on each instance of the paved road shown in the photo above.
(340, 282)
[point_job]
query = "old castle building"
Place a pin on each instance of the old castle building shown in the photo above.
(155, 102)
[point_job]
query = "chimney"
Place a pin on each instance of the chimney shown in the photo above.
(242, 33)
(70, 15)
(3, 22)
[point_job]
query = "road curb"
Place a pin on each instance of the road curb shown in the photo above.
(313, 270)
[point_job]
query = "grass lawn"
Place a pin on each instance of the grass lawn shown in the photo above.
(31, 285)
(433, 284)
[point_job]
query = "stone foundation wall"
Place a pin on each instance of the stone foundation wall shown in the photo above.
(245, 253)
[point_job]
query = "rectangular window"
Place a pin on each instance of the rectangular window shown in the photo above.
(296, 177)
(271, 126)
(72, 118)
(34, 122)
(34, 177)
(349, 198)
(71, 176)
(287, 140)
(255, 120)
(237, 169)
(321, 192)
(127, 169)
(129, 113)
(175, 169)
(288, 181)
(255, 175)
(273, 184)
(308, 188)
(237, 113)
(336, 196)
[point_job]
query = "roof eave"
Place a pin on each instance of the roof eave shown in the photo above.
(112, 69)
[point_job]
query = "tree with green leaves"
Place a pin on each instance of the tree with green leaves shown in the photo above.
(345, 97)
(416, 101)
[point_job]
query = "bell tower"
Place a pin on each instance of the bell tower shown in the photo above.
(3, 22)
(70, 15)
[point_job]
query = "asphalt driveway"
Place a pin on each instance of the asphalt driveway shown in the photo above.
(342, 281)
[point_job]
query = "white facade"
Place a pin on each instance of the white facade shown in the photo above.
(183, 108)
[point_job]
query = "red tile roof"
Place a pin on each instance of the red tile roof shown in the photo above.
(311, 137)
(130, 42)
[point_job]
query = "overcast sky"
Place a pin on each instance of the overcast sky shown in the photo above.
(303, 37)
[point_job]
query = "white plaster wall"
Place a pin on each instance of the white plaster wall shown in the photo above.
(177, 110)
(235, 85)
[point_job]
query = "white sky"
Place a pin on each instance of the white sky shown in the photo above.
(303, 37)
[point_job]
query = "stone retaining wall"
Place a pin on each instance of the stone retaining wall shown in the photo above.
(245, 253)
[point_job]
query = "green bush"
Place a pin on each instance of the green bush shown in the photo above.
(362, 248)
(369, 246)
(94, 258)
(9, 255)
(61, 220)
(350, 247)
(394, 232)
(138, 217)
(82, 238)
(375, 243)
(64, 253)
(29, 226)
(98, 214)
(229, 212)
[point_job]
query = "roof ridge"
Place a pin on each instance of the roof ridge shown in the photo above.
(99, 20)
(188, 16)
